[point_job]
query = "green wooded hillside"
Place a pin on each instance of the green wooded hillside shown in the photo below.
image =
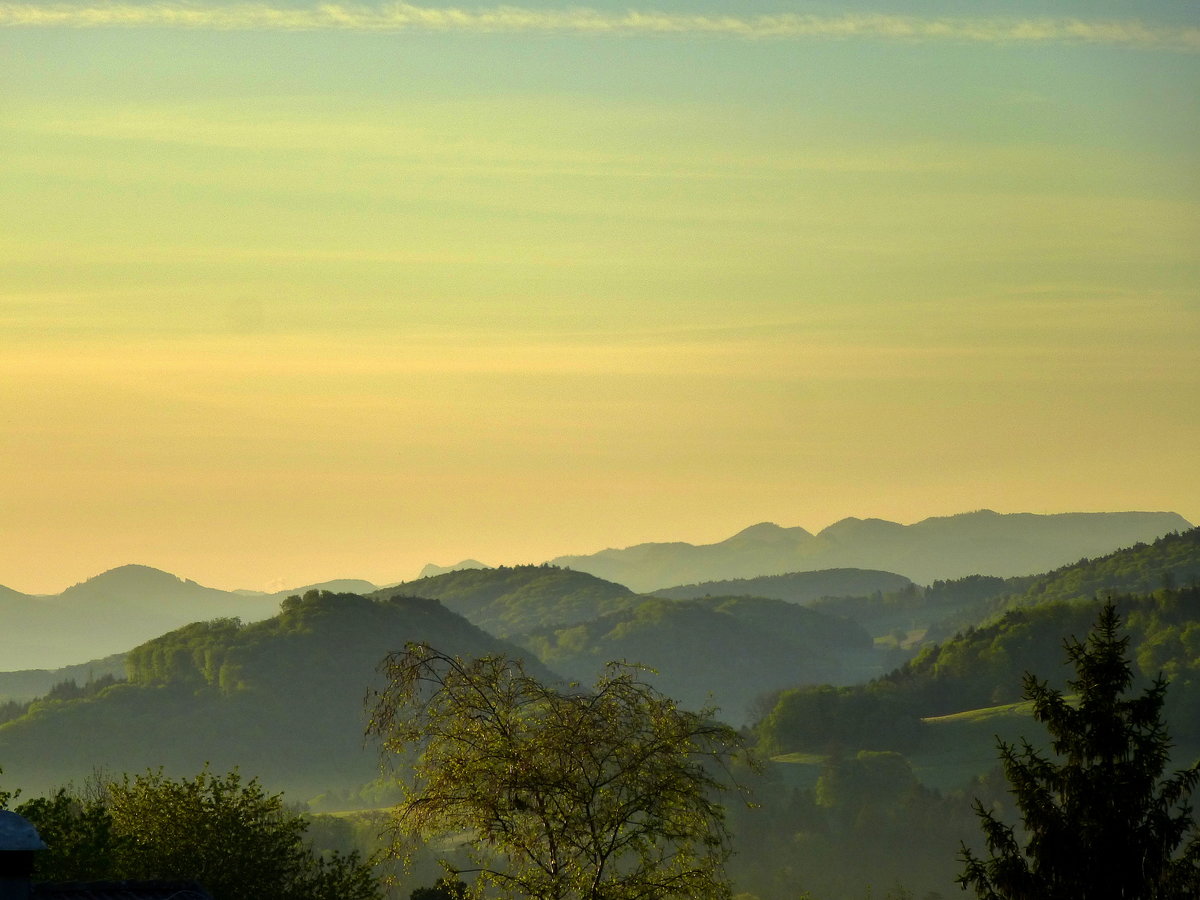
(909, 832)
(1170, 561)
(722, 650)
(913, 613)
(797, 587)
(983, 668)
(510, 600)
(281, 698)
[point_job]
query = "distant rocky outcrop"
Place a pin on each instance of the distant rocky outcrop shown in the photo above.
(337, 586)
(431, 570)
(976, 543)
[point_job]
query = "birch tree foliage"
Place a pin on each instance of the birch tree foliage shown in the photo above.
(611, 793)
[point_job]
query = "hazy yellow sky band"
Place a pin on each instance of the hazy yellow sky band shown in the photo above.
(277, 308)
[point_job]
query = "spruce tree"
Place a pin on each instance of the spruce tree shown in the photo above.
(1099, 821)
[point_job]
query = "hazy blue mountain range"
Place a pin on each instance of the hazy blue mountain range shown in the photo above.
(109, 613)
(113, 611)
(117, 609)
(977, 543)
(282, 698)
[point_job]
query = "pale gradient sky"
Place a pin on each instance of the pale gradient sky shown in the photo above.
(290, 293)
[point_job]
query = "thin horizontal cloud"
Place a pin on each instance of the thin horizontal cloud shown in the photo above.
(404, 16)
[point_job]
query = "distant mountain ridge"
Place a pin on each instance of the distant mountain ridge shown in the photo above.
(795, 587)
(111, 612)
(976, 543)
(146, 589)
(117, 609)
(107, 614)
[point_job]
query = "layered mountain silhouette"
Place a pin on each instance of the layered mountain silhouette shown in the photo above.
(281, 698)
(976, 543)
(117, 609)
(113, 611)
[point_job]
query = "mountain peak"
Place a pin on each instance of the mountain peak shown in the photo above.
(131, 575)
(852, 526)
(979, 542)
(761, 531)
(768, 532)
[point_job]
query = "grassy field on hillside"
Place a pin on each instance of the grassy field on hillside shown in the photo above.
(958, 747)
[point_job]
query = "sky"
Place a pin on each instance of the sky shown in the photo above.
(295, 292)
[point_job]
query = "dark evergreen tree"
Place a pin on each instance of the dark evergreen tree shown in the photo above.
(1099, 820)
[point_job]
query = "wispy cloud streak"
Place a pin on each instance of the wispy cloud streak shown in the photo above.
(404, 16)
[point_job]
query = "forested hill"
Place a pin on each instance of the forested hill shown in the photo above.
(937, 612)
(310, 632)
(795, 587)
(26, 684)
(281, 698)
(984, 668)
(1170, 561)
(510, 600)
(717, 650)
